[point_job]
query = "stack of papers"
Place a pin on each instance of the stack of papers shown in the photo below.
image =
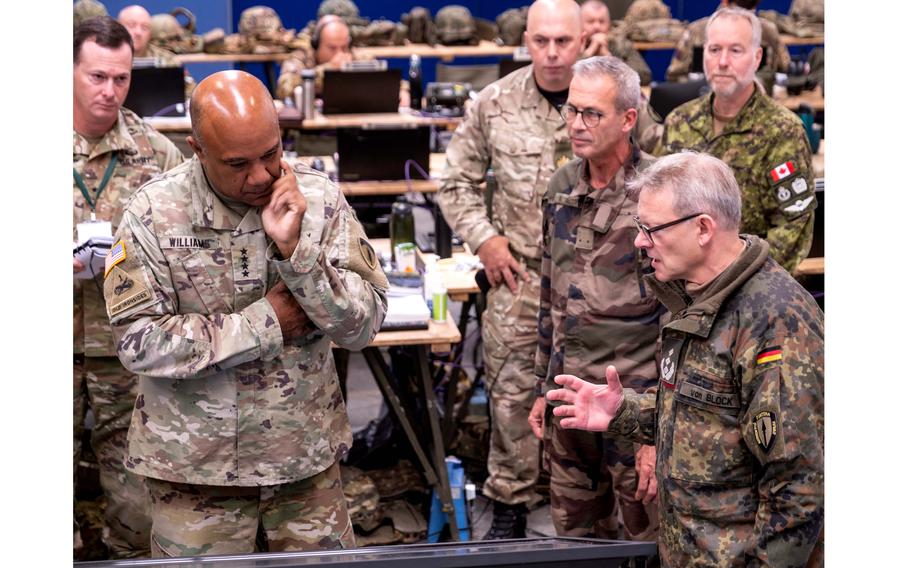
(91, 254)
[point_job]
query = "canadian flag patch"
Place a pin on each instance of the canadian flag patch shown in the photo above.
(783, 171)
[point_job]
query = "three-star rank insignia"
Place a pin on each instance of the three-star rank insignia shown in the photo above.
(764, 427)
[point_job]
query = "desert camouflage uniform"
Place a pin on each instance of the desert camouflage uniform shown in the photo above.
(595, 310)
(142, 153)
(223, 401)
(777, 58)
(738, 418)
(512, 128)
(762, 137)
(620, 47)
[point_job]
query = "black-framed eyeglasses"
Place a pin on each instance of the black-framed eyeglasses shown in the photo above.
(589, 116)
(649, 231)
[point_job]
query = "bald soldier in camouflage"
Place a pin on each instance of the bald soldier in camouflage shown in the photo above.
(232, 276)
(138, 21)
(595, 18)
(594, 306)
(514, 127)
(738, 419)
(330, 49)
(114, 152)
(777, 58)
(764, 143)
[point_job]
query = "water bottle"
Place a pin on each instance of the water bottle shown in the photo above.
(434, 291)
(415, 81)
(309, 93)
(401, 224)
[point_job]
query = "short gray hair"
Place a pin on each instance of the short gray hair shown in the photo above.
(628, 91)
(697, 183)
(737, 12)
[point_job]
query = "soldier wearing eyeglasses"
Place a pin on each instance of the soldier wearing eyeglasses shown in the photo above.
(595, 308)
(738, 416)
(513, 127)
(763, 142)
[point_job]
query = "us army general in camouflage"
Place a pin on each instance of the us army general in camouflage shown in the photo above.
(738, 419)
(240, 415)
(223, 400)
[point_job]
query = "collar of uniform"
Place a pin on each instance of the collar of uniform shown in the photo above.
(532, 98)
(116, 139)
(697, 317)
(744, 119)
(625, 172)
(210, 211)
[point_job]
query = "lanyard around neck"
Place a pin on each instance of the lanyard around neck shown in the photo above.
(107, 177)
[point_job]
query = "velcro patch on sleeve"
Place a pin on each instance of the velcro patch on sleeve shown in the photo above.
(115, 256)
(124, 291)
(782, 171)
(769, 355)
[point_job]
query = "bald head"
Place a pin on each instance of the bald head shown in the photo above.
(227, 103)
(595, 17)
(554, 40)
(236, 136)
(138, 22)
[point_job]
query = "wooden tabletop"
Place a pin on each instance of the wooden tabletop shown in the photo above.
(811, 266)
(439, 336)
(444, 52)
(813, 98)
(403, 118)
(394, 187)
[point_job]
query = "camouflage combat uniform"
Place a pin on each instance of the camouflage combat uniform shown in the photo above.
(231, 422)
(595, 310)
(512, 128)
(776, 56)
(767, 148)
(142, 153)
(738, 418)
(620, 47)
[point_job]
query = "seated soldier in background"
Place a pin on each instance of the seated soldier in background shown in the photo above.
(331, 49)
(595, 19)
(138, 22)
(777, 58)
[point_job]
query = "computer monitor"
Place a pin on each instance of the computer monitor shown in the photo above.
(356, 92)
(156, 91)
(381, 153)
(667, 96)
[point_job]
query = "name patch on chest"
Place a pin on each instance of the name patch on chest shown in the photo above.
(187, 243)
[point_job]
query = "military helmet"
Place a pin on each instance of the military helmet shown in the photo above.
(344, 8)
(512, 24)
(86, 9)
(258, 20)
(165, 27)
(646, 10)
(454, 23)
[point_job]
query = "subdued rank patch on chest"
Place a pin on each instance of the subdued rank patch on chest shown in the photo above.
(368, 254)
(668, 369)
(764, 426)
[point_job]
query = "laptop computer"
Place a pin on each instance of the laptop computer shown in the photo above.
(356, 92)
(381, 153)
(156, 91)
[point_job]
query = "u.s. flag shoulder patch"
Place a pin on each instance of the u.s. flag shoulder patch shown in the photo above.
(783, 171)
(115, 256)
(769, 355)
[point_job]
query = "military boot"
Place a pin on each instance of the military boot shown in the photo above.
(509, 521)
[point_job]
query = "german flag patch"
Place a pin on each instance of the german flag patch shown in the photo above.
(769, 355)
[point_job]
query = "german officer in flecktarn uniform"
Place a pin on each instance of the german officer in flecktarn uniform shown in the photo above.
(232, 276)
